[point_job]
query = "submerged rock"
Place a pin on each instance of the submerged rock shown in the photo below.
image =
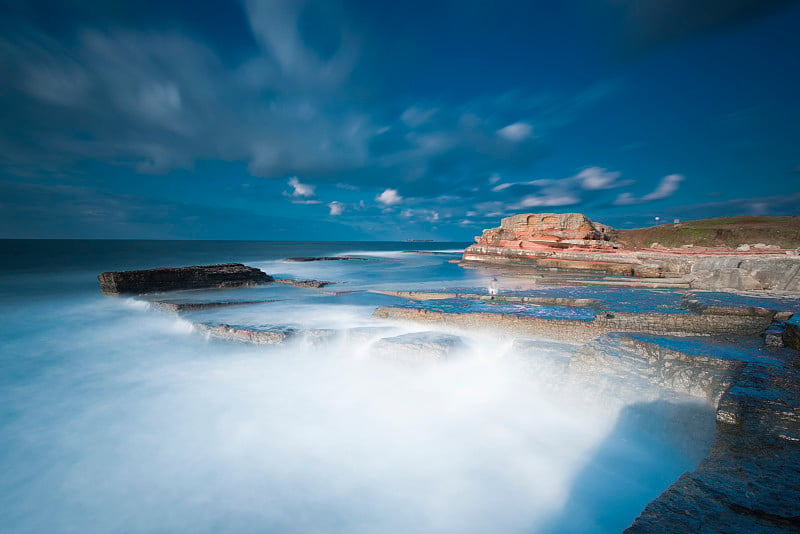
(258, 335)
(418, 346)
(173, 278)
(179, 306)
(310, 284)
(329, 258)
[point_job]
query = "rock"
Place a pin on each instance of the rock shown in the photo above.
(729, 278)
(791, 335)
(258, 335)
(537, 356)
(762, 246)
(174, 278)
(750, 481)
(547, 230)
(418, 347)
(773, 336)
(783, 315)
(680, 365)
(311, 284)
(743, 248)
(329, 258)
(173, 306)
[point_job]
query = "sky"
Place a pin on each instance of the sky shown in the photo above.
(383, 120)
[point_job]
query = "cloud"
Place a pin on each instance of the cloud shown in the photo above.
(516, 132)
(421, 214)
(301, 189)
(596, 178)
(533, 201)
(415, 117)
(336, 208)
(666, 188)
(389, 197)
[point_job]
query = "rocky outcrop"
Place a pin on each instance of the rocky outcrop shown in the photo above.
(308, 284)
(173, 278)
(685, 367)
(750, 481)
(546, 231)
(328, 258)
(572, 242)
(178, 306)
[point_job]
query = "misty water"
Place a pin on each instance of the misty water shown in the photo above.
(116, 417)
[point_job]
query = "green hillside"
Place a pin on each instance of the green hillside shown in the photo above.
(721, 232)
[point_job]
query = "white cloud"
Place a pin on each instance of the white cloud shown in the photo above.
(595, 178)
(415, 116)
(500, 187)
(519, 131)
(423, 214)
(336, 208)
(533, 201)
(301, 189)
(389, 197)
(666, 188)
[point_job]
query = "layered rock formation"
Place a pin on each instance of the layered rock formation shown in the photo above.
(547, 231)
(173, 278)
(571, 242)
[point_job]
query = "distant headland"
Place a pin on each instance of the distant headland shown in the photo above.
(739, 253)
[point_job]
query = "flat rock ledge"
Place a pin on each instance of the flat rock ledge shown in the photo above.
(264, 334)
(581, 331)
(308, 284)
(543, 301)
(225, 275)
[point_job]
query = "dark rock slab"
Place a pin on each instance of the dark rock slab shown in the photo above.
(310, 284)
(174, 278)
(791, 335)
(180, 306)
(330, 258)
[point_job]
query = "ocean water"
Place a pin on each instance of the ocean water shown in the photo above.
(117, 417)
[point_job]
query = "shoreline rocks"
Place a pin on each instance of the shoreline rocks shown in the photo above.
(571, 242)
(227, 275)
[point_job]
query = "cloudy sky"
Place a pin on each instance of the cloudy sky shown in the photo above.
(363, 119)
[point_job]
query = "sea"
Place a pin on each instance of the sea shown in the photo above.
(117, 416)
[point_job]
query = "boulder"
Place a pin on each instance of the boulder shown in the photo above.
(174, 278)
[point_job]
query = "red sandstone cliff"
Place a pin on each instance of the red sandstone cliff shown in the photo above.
(547, 231)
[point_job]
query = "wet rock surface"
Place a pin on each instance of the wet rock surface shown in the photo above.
(189, 306)
(418, 347)
(309, 284)
(225, 275)
(329, 258)
(750, 482)
(258, 335)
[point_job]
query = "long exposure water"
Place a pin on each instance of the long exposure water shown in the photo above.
(116, 417)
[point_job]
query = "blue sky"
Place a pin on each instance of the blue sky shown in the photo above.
(356, 120)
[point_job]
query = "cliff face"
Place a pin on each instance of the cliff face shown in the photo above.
(546, 231)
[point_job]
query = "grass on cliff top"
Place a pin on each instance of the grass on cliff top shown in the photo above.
(721, 232)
